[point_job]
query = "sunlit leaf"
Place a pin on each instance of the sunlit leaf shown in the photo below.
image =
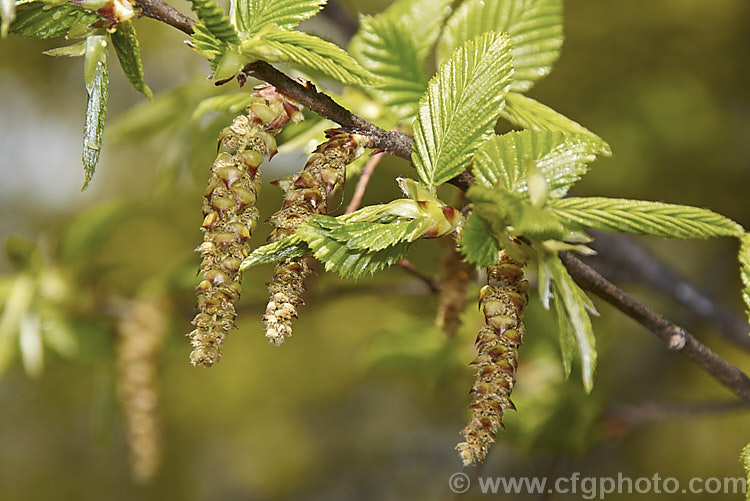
(310, 52)
(128, 52)
(640, 217)
(561, 159)
(534, 26)
(744, 257)
(460, 108)
(478, 244)
(530, 114)
(250, 16)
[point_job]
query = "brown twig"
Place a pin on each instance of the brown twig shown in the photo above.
(392, 142)
(676, 338)
(431, 283)
(363, 181)
(162, 11)
(626, 261)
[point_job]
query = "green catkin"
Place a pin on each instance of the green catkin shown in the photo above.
(141, 330)
(230, 217)
(502, 301)
(305, 195)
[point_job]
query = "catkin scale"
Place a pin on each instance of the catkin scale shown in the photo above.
(304, 195)
(502, 302)
(230, 217)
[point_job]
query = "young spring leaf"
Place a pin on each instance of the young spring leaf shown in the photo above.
(744, 257)
(461, 106)
(215, 20)
(385, 47)
(39, 19)
(250, 16)
(394, 45)
(640, 217)
(77, 49)
(560, 158)
(310, 52)
(534, 26)
(128, 52)
(574, 313)
(478, 244)
(530, 114)
(97, 86)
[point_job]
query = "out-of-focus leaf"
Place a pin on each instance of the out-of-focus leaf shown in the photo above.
(20, 252)
(461, 106)
(125, 41)
(251, 16)
(40, 19)
(7, 15)
(534, 27)
(30, 343)
(97, 86)
(530, 114)
(89, 229)
(15, 307)
(227, 103)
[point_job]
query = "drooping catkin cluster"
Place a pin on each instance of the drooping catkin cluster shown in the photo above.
(140, 334)
(502, 301)
(230, 217)
(305, 194)
(452, 297)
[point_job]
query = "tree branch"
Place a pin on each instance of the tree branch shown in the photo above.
(676, 338)
(161, 11)
(625, 260)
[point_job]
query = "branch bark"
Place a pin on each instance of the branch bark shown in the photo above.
(162, 11)
(675, 337)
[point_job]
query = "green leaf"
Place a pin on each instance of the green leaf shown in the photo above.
(534, 27)
(128, 52)
(566, 335)
(97, 83)
(77, 49)
(460, 108)
(561, 159)
(574, 314)
(387, 49)
(530, 114)
(215, 20)
(311, 52)
(7, 15)
(46, 20)
(478, 243)
(233, 103)
(424, 18)
(291, 246)
(640, 217)
(251, 16)
(207, 45)
(744, 258)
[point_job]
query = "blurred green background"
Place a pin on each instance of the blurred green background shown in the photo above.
(366, 400)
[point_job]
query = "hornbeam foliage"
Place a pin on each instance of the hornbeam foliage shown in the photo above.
(514, 215)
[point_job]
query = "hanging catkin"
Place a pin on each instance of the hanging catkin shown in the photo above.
(502, 301)
(140, 334)
(305, 195)
(230, 217)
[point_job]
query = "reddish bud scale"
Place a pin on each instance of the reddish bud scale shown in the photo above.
(230, 217)
(305, 195)
(502, 301)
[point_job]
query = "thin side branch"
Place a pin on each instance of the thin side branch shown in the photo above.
(364, 180)
(395, 143)
(625, 260)
(162, 11)
(675, 337)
